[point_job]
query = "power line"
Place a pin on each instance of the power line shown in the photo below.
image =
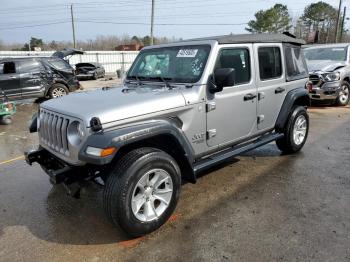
(36, 25)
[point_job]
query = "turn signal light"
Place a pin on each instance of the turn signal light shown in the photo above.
(100, 152)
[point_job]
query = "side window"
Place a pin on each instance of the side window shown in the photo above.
(9, 68)
(237, 58)
(30, 66)
(295, 63)
(270, 64)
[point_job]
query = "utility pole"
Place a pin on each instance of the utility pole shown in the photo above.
(338, 23)
(73, 26)
(342, 25)
(152, 22)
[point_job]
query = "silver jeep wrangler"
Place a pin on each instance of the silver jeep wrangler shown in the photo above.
(183, 108)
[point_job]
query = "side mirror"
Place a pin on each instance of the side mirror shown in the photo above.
(221, 78)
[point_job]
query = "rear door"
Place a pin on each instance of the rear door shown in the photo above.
(31, 71)
(10, 79)
(232, 112)
(271, 83)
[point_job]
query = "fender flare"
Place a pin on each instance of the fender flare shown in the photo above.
(298, 96)
(135, 132)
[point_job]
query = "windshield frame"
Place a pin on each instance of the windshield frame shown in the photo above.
(189, 45)
(346, 56)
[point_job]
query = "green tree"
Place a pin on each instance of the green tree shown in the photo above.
(273, 20)
(146, 40)
(320, 17)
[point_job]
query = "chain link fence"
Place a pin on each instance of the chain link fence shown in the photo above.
(111, 60)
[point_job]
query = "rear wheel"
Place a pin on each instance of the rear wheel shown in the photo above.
(143, 190)
(295, 132)
(344, 94)
(58, 90)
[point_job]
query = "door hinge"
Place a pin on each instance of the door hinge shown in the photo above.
(211, 133)
(211, 106)
(261, 118)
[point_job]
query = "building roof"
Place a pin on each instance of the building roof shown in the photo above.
(252, 38)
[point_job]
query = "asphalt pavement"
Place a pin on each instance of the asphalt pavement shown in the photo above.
(261, 206)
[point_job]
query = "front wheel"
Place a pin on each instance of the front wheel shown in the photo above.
(142, 192)
(295, 132)
(344, 94)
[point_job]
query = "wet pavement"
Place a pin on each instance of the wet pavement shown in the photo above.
(261, 206)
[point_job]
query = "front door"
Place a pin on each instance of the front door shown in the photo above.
(10, 80)
(231, 113)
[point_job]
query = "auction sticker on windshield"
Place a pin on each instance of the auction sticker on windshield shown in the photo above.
(187, 53)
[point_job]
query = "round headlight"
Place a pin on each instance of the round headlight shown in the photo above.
(76, 133)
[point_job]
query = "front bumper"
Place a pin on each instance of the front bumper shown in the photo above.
(328, 91)
(58, 171)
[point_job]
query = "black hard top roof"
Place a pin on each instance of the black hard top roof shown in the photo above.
(252, 38)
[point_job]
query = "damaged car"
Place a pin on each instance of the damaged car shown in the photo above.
(89, 71)
(37, 77)
(329, 69)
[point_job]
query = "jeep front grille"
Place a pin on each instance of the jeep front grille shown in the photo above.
(53, 131)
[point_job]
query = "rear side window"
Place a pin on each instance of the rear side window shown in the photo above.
(270, 64)
(30, 66)
(295, 63)
(237, 58)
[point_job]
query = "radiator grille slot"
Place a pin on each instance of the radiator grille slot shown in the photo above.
(53, 131)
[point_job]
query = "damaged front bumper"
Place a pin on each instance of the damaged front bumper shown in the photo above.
(58, 171)
(324, 90)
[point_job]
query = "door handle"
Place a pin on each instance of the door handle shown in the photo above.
(249, 97)
(279, 90)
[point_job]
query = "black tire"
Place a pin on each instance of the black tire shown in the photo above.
(58, 90)
(342, 100)
(5, 120)
(287, 144)
(121, 184)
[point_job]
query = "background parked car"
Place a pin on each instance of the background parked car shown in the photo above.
(89, 70)
(329, 69)
(34, 77)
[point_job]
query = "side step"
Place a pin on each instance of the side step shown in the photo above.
(234, 151)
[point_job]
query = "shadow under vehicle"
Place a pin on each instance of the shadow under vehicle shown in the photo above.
(37, 77)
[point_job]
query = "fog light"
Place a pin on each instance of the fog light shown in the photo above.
(100, 152)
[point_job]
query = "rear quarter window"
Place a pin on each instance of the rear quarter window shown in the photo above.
(60, 64)
(295, 63)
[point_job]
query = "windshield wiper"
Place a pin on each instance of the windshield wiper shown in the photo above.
(163, 79)
(136, 78)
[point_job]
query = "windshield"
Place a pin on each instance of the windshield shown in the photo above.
(328, 53)
(184, 64)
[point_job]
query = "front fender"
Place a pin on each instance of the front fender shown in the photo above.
(136, 132)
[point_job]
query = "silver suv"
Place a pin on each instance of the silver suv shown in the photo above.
(183, 108)
(329, 68)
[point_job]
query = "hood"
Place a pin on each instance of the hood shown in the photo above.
(67, 52)
(114, 104)
(324, 65)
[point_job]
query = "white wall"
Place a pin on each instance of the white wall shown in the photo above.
(111, 60)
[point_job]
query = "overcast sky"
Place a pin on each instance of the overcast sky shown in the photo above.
(50, 19)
